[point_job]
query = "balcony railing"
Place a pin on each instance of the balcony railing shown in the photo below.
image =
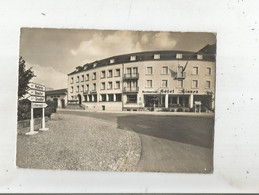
(86, 92)
(180, 75)
(131, 76)
(130, 89)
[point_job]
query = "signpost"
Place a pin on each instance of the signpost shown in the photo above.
(197, 103)
(37, 98)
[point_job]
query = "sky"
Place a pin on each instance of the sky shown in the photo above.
(54, 53)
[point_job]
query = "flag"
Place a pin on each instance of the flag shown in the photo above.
(185, 66)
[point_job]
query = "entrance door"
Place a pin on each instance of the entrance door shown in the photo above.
(79, 98)
(150, 101)
(63, 103)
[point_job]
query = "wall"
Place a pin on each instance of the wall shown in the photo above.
(111, 106)
(48, 97)
(98, 81)
(24, 125)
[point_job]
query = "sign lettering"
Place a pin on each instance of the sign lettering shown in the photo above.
(36, 99)
(39, 105)
(36, 86)
(36, 93)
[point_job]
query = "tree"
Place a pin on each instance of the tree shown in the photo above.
(24, 78)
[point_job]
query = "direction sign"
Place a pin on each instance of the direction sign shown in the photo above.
(36, 99)
(39, 105)
(197, 102)
(37, 93)
(36, 86)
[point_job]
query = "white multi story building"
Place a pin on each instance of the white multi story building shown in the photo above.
(146, 79)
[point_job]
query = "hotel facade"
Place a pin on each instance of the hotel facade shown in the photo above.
(144, 80)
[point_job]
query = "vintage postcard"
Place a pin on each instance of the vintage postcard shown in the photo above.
(111, 100)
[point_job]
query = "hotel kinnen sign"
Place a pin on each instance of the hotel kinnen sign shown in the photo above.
(167, 91)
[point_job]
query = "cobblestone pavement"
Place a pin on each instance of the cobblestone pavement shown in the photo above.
(80, 143)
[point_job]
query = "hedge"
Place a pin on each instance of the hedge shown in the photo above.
(24, 109)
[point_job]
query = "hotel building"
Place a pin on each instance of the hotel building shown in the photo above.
(143, 80)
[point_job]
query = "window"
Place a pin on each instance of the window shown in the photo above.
(135, 70)
(180, 83)
(117, 85)
(87, 77)
(109, 85)
(109, 73)
(132, 58)
(77, 79)
(83, 78)
(149, 70)
(117, 72)
(118, 97)
(94, 87)
(199, 56)
(128, 71)
(90, 98)
(102, 85)
(95, 97)
(112, 60)
(94, 75)
(195, 84)
(156, 56)
(72, 80)
(110, 97)
(149, 83)
(103, 74)
(165, 70)
(72, 90)
(195, 70)
(131, 98)
(87, 87)
(164, 83)
(208, 84)
(179, 56)
(103, 97)
(82, 88)
(208, 71)
(77, 88)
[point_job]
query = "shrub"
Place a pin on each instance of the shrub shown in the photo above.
(186, 109)
(179, 110)
(24, 109)
(204, 109)
(192, 109)
(165, 109)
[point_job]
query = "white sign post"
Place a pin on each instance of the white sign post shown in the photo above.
(37, 99)
(197, 103)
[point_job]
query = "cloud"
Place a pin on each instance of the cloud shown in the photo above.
(48, 76)
(103, 45)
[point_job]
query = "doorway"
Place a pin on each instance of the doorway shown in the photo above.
(63, 103)
(79, 99)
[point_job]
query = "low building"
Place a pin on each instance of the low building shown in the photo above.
(58, 95)
(146, 80)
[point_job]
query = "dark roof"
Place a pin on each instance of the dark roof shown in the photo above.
(208, 49)
(56, 92)
(145, 56)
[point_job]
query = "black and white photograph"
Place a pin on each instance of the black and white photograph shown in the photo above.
(109, 96)
(116, 100)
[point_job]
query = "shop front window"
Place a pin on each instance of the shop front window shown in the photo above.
(131, 99)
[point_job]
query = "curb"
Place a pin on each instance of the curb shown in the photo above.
(130, 162)
(144, 113)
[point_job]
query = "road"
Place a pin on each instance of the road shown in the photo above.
(169, 143)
